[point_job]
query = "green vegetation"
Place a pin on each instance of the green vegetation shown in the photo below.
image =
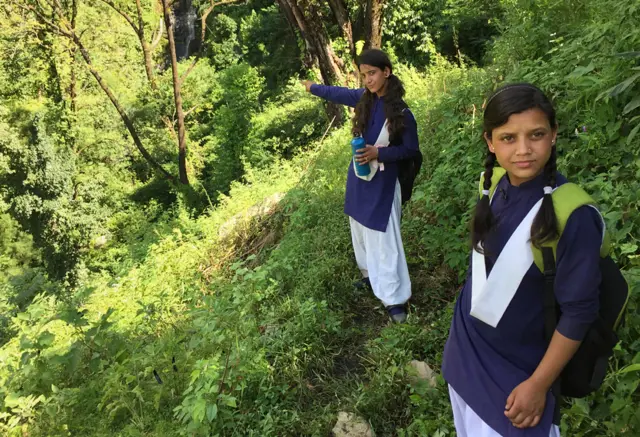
(131, 305)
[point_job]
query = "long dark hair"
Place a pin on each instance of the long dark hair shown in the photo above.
(393, 98)
(506, 101)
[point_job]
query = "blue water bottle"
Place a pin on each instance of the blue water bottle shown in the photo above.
(358, 143)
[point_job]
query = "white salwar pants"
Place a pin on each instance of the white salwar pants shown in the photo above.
(469, 424)
(380, 256)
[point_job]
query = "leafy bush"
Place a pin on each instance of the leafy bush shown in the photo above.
(223, 150)
(284, 127)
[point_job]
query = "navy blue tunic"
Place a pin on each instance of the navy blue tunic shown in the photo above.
(369, 202)
(484, 364)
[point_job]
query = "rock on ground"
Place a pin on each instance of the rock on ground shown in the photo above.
(420, 371)
(350, 425)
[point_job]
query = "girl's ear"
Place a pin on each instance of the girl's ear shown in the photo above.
(554, 135)
(489, 145)
(387, 72)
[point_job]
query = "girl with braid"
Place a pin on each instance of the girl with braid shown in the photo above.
(374, 206)
(498, 364)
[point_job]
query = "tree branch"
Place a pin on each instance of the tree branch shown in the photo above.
(121, 111)
(73, 93)
(124, 15)
(182, 140)
(169, 124)
(140, 21)
(191, 110)
(158, 37)
(44, 19)
(71, 34)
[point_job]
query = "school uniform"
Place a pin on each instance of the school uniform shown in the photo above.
(483, 364)
(374, 206)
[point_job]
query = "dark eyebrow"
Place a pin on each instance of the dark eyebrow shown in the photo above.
(540, 128)
(535, 129)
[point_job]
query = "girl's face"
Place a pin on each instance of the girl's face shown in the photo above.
(523, 144)
(374, 78)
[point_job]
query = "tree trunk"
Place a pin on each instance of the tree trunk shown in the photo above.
(373, 24)
(73, 93)
(318, 43)
(139, 30)
(182, 144)
(146, 48)
(288, 14)
(120, 109)
(148, 62)
(309, 57)
(342, 17)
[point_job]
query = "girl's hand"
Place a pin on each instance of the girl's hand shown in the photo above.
(307, 84)
(525, 404)
(367, 154)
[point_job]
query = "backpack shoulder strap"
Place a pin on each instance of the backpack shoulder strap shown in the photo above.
(498, 172)
(551, 317)
(566, 199)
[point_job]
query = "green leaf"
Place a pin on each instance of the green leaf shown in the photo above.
(628, 248)
(46, 339)
(59, 360)
(583, 406)
(581, 71)
(138, 392)
(231, 402)
(199, 410)
(622, 86)
(628, 55)
(25, 343)
(12, 400)
(618, 404)
(212, 412)
(631, 106)
(631, 368)
(24, 316)
(613, 216)
(632, 134)
(194, 375)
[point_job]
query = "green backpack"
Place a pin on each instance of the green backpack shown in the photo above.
(586, 371)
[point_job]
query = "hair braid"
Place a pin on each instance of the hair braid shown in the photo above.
(545, 224)
(483, 219)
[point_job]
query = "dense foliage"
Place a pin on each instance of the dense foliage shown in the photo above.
(131, 305)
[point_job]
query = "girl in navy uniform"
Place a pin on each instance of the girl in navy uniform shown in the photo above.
(374, 206)
(497, 362)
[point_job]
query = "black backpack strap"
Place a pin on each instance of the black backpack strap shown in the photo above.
(551, 317)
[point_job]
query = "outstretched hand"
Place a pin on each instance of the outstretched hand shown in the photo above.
(307, 84)
(367, 154)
